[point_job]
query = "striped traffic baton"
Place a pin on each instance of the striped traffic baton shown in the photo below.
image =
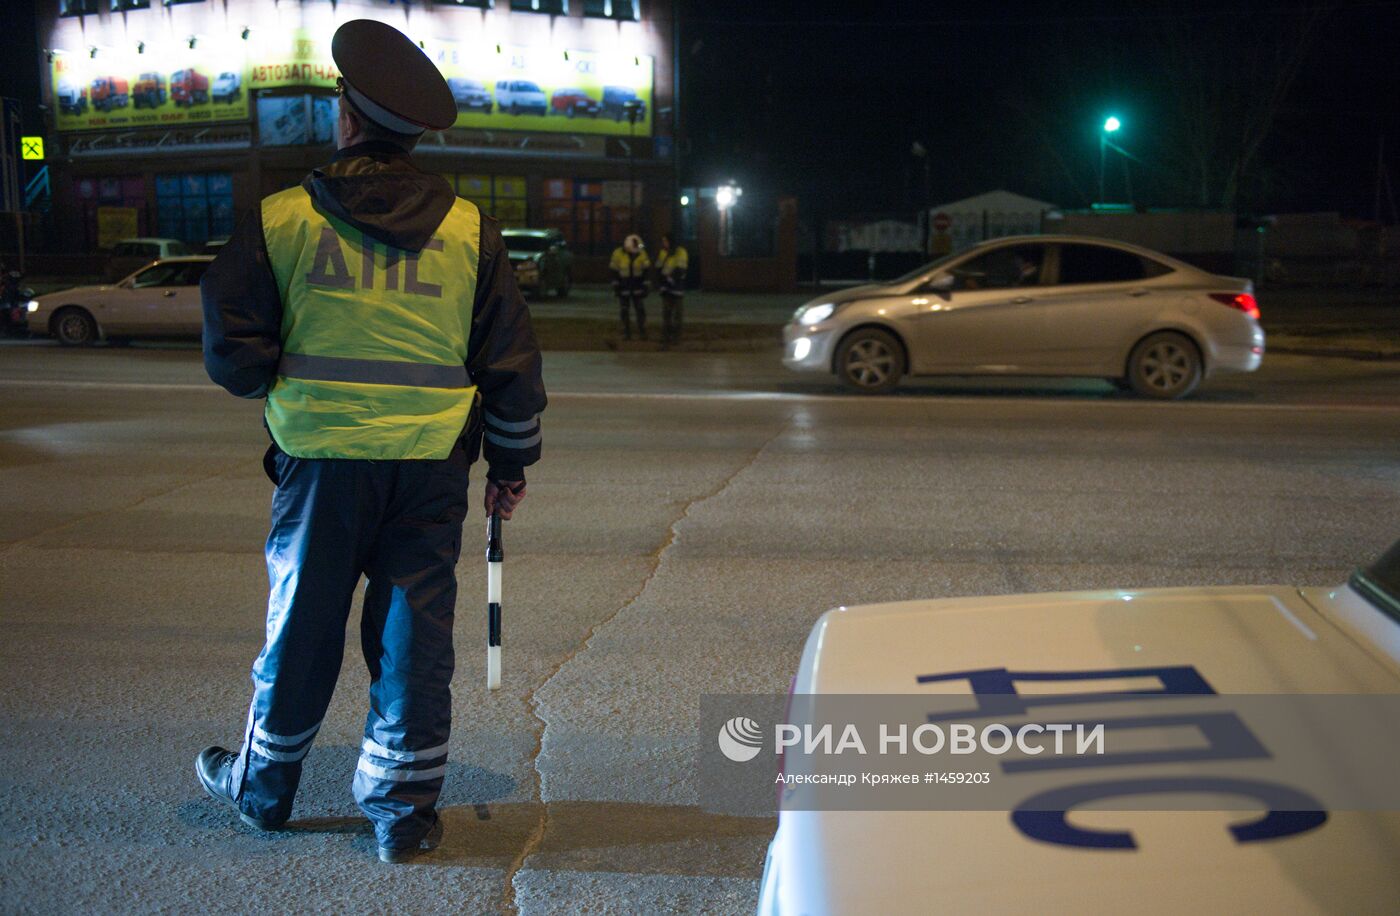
(494, 556)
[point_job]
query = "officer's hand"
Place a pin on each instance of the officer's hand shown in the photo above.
(503, 496)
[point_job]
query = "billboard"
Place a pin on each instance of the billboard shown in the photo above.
(300, 58)
(537, 89)
(111, 90)
(495, 87)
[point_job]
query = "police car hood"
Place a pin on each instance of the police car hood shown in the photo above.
(1241, 640)
(1245, 639)
(384, 196)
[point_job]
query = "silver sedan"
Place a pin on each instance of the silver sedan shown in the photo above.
(1040, 305)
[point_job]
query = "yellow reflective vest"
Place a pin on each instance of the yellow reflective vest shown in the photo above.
(374, 338)
(627, 266)
(672, 260)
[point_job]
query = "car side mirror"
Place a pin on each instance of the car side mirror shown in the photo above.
(941, 285)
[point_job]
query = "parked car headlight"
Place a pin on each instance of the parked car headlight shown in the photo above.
(812, 314)
(32, 305)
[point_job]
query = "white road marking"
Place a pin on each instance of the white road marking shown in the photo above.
(788, 396)
(105, 386)
(954, 399)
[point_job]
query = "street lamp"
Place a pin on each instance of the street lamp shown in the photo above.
(633, 109)
(726, 196)
(1111, 125)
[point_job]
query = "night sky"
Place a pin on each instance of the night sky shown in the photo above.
(824, 100)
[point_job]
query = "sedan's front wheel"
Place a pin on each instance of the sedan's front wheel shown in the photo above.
(1165, 365)
(74, 327)
(870, 361)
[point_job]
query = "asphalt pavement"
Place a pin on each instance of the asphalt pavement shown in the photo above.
(693, 515)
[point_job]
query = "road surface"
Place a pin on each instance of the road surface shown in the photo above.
(692, 517)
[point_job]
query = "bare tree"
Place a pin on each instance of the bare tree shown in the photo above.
(1226, 75)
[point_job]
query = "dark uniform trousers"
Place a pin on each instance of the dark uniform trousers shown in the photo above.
(632, 296)
(672, 314)
(399, 523)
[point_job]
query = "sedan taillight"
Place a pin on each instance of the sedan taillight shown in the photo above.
(1245, 302)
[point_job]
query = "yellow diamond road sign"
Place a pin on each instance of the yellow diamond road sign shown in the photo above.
(31, 147)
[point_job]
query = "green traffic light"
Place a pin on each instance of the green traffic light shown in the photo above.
(1111, 125)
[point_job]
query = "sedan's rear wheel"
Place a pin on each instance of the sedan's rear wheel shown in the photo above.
(1165, 365)
(74, 327)
(870, 361)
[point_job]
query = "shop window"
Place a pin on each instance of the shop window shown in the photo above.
(554, 7)
(500, 196)
(576, 207)
(77, 7)
(121, 6)
(612, 9)
(178, 2)
(195, 206)
(120, 192)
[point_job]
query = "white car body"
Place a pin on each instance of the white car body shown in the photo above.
(226, 87)
(1241, 640)
(520, 96)
(160, 299)
(71, 98)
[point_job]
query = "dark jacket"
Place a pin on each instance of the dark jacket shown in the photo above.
(377, 189)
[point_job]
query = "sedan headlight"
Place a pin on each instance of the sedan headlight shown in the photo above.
(813, 314)
(32, 305)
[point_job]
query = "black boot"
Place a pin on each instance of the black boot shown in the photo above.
(394, 855)
(214, 767)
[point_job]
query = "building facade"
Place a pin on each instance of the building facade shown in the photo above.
(172, 118)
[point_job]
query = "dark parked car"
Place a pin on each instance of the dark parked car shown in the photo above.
(470, 95)
(615, 99)
(542, 260)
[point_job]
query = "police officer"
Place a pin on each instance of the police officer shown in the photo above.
(671, 265)
(378, 315)
(12, 313)
(629, 265)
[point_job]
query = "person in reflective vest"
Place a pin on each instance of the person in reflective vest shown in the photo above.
(629, 265)
(671, 266)
(378, 315)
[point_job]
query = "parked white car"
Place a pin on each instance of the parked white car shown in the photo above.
(1238, 641)
(520, 97)
(159, 300)
(1042, 305)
